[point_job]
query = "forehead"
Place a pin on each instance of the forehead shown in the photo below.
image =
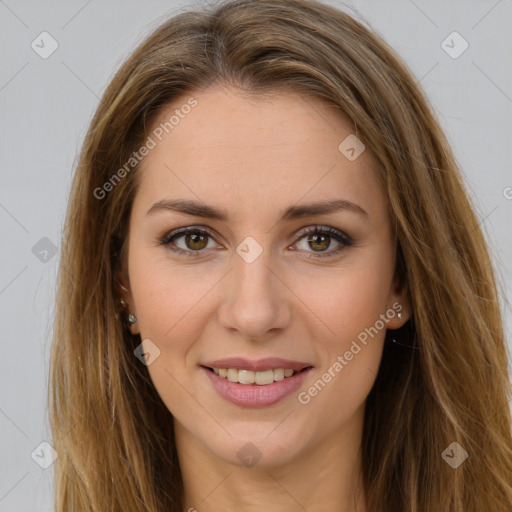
(249, 153)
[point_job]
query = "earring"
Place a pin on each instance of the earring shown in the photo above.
(131, 319)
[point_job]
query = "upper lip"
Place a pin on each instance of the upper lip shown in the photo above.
(241, 363)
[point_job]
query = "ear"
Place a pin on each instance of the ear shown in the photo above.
(124, 293)
(123, 287)
(398, 304)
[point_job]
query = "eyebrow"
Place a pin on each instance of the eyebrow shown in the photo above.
(199, 209)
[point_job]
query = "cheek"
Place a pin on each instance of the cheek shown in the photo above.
(169, 297)
(172, 303)
(358, 302)
(346, 300)
(350, 352)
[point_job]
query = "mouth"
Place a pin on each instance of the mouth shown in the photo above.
(256, 384)
(259, 378)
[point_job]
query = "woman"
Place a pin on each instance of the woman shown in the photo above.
(274, 293)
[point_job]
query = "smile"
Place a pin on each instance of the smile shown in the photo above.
(261, 378)
(265, 390)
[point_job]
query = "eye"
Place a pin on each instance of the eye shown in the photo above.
(319, 238)
(194, 241)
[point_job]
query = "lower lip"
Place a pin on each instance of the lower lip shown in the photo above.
(254, 395)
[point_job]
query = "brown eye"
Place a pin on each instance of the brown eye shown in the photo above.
(319, 242)
(319, 239)
(196, 241)
(187, 241)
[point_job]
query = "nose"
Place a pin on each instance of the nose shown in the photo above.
(256, 300)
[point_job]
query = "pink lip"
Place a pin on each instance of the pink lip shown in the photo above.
(254, 395)
(268, 363)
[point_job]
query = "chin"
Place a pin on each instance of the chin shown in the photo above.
(258, 446)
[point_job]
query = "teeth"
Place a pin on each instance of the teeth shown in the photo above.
(249, 377)
(262, 378)
(245, 377)
(279, 374)
(232, 375)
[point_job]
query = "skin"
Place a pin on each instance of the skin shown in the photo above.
(254, 158)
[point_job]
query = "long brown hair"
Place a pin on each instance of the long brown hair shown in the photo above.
(444, 380)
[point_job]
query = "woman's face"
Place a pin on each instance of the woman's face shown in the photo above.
(254, 285)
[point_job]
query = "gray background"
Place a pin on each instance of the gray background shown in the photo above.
(46, 105)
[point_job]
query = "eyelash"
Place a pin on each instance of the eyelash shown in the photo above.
(344, 239)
